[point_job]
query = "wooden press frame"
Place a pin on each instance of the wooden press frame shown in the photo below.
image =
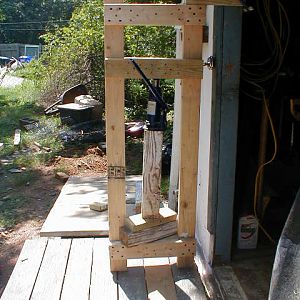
(187, 67)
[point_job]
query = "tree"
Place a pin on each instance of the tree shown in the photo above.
(24, 21)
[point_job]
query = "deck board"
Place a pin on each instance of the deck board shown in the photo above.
(159, 280)
(188, 284)
(132, 283)
(77, 279)
(23, 277)
(103, 281)
(71, 215)
(79, 268)
(51, 274)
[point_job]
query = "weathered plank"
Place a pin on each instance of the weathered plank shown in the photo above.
(51, 275)
(188, 283)
(23, 277)
(78, 274)
(103, 281)
(153, 14)
(131, 239)
(154, 67)
(159, 279)
(131, 284)
(171, 246)
(152, 174)
(137, 222)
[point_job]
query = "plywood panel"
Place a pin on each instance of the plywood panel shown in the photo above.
(154, 67)
(153, 14)
(23, 277)
(71, 215)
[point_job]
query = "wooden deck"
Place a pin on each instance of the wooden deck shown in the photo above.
(55, 268)
(71, 215)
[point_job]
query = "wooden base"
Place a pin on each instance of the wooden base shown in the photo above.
(137, 223)
(171, 246)
(148, 235)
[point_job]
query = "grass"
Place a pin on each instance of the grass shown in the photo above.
(9, 215)
(18, 103)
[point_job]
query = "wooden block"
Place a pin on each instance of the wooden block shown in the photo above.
(154, 68)
(98, 206)
(153, 14)
(131, 239)
(17, 137)
(152, 174)
(170, 246)
(137, 223)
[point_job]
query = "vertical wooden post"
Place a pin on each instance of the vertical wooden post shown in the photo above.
(192, 36)
(115, 136)
(151, 174)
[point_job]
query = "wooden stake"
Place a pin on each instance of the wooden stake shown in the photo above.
(152, 174)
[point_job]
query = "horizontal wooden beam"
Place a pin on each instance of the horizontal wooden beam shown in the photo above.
(154, 68)
(154, 14)
(171, 246)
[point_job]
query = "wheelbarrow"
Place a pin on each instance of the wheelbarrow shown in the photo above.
(66, 97)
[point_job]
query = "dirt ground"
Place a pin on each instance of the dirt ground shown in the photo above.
(40, 193)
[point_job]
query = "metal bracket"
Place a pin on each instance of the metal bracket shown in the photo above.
(210, 63)
(116, 172)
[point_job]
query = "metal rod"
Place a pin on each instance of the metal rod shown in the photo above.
(150, 86)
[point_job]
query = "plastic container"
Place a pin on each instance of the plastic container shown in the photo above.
(73, 113)
(248, 232)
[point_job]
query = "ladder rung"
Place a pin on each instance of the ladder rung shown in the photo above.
(154, 68)
(153, 14)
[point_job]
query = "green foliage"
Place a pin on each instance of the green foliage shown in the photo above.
(75, 54)
(19, 103)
